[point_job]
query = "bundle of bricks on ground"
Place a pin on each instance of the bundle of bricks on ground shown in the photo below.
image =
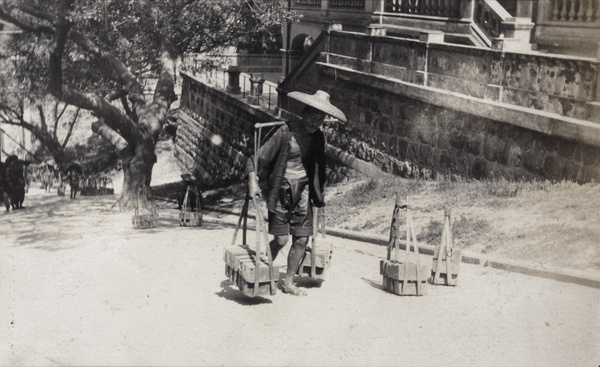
(446, 259)
(144, 221)
(322, 261)
(149, 220)
(249, 272)
(404, 277)
(448, 264)
(187, 216)
(190, 219)
(319, 252)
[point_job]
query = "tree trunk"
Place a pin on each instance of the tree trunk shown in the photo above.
(137, 164)
(139, 157)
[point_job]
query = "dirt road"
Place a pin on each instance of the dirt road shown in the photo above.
(79, 286)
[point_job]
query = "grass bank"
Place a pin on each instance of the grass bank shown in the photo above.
(553, 224)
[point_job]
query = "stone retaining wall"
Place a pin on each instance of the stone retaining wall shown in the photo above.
(209, 116)
(415, 138)
(568, 86)
(214, 136)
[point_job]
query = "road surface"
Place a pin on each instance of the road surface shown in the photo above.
(79, 286)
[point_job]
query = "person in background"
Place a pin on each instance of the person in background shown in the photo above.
(4, 187)
(294, 160)
(74, 176)
(16, 180)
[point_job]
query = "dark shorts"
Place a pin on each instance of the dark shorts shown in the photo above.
(293, 213)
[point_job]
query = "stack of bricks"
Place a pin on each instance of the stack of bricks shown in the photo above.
(322, 261)
(403, 276)
(144, 221)
(320, 252)
(249, 272)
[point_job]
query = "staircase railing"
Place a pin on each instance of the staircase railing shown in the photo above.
(489, 16)
(307, 4)
(440, 8)
(347, 4)
(307, 59)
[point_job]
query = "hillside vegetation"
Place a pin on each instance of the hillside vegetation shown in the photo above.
(546, 223)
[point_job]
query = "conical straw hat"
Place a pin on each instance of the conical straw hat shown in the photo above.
(320, 101)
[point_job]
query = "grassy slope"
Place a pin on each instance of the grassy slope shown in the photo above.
(549, 224)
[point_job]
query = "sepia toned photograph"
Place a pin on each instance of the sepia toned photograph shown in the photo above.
(300, 183)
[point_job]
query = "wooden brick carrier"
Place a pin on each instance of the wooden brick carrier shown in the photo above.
(145, 221)
(318, 257)
(187, 217)
(445, 268)
(406, 277)
(248, 268)
(252, 270)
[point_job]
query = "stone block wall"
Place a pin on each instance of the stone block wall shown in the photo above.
(568, 86)
(208, 116)
(215, 133)
(413, 138)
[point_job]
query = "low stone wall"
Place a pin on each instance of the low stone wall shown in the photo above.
(568, 86)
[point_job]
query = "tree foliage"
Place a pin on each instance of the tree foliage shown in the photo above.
(97, 56)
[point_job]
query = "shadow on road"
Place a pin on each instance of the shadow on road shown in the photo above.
(52, 223)
(372, 283)
(50, 219)
(232, 294)
(306, 282)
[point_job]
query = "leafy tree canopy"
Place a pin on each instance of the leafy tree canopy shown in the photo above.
(93, 53)
(132, 32)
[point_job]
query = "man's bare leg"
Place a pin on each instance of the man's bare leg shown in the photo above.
(295, 257)
(277, 244)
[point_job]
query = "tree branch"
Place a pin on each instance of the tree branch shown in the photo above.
(6, 16)
(128, 110)
(40, 134)
(37, 13)
(42, 116)
(117, 120)
(136, 91)
(100, 128)
(57, 116)
(71, 125)
(56, 50)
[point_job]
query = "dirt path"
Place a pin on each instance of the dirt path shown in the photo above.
(79, 286)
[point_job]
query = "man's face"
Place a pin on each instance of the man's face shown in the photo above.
(313, 120)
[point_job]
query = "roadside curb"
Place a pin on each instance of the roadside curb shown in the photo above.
(568, 276)
(478, 259)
